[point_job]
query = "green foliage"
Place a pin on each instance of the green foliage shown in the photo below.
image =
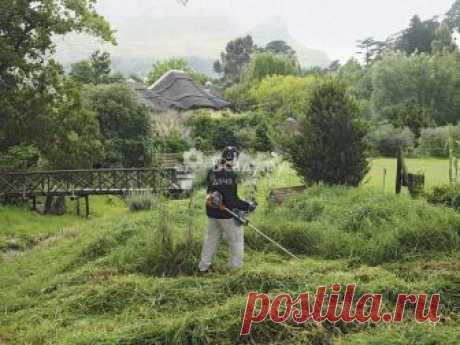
(446, 195)
(240, 96)
(279, 47)
(266, 64)
(262, 65)
(246, 131)
(124, 123)
(141, 201)
(453, 16)
(425, 85)
(419, 37)
(174, 142)
(386, 140)
(370, 49)
(409, 114)
(74, 140)
(330, 146)
(161, 67)
(96, 70)
(284, 96)
(434, 142)
(33, 88)
(443, 40)
(19, 158)
(29, 29)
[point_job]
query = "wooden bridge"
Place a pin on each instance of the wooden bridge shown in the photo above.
(83, 183)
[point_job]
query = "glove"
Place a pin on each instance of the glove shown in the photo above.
(252, 206)
(240, 220)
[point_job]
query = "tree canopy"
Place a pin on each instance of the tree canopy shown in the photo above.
(39, 106)
(236, 56)
(96, 70)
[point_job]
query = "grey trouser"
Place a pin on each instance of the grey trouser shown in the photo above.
(232, 233)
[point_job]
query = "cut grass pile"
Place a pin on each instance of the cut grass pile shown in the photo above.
(130, 278)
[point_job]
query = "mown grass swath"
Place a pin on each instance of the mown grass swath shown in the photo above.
(131, 279)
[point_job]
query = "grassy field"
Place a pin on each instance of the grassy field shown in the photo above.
(130, 278)
(436, 172)
(22, 229)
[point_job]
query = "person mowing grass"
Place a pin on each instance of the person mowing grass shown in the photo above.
(221, 181)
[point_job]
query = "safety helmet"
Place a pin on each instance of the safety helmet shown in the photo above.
(230, 153)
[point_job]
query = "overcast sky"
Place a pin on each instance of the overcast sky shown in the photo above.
(329, 25)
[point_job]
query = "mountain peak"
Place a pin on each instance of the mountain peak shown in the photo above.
(275, 29)
(272, 28)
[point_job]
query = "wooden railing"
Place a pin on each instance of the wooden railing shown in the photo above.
(85, 182)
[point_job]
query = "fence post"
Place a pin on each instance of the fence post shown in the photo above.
(87, 206)
(384, 179)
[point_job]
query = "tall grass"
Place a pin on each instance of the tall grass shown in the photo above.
(131, 278)
(361, 224)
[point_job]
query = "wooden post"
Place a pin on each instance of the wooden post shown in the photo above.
(34, 203)
(456, 169)
(384, 179)
(87, 206)
(451, 156)
(399, 175)
(78, 206)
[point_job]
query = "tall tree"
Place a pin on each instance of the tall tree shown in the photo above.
(27, 29)
(369, 48)
(453, 16)
(279, 47)
(443, 40)
(96, 70)
(31, 80)
(418, 37)
(237, 55)
(124, 123)
(408, 88)
(264, 64)
(330, 146)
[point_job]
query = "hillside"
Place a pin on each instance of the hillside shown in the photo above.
(129, 278)
(275, 28)
(166, 32)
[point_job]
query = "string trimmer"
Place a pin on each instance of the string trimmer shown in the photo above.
(215, 200)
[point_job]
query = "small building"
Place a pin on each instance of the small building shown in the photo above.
(176, 90)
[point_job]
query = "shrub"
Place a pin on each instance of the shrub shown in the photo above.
(434, 142)
(141, 201)
(331, 146)
(386, 140)
(445, 195)
(20, 157)
(246, 131)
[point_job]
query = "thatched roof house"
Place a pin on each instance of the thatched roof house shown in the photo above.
(177, 90)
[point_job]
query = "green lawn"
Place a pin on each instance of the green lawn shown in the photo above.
(23, 228)
(436, 172)
(27, 228)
